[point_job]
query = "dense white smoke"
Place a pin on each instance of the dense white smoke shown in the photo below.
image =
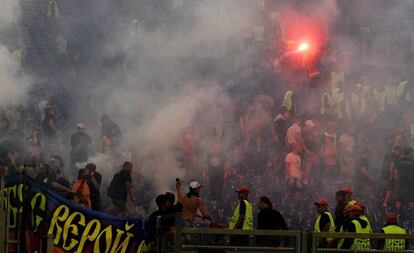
(13, 82)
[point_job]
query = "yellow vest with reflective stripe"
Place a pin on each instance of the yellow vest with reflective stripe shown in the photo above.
(331, 220)
(248, 217)
(359, 243)
(394, 244)
(365, 218)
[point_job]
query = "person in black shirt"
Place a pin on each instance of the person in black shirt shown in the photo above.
(94, 182)
(391, 160)
(339, 209)
(405, 172)
(269, 219)
(119, 190)
(108, 126)
(161, 201)
(80, 142)
(364, 179)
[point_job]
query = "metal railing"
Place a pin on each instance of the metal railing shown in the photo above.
(230, 240)
(372, 236)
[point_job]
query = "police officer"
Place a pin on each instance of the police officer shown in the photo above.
(391, 227)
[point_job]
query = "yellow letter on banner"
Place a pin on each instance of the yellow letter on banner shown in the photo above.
(58, 216)
(74, 230)
(108, 238)
(89, 236)
(124, 245)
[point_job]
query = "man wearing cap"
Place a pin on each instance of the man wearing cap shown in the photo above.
(324, 222)
(356, 225)
(242, 218)
(391, 227)
(191, 203)
(243, 214)
(348, 196)
(80, 142)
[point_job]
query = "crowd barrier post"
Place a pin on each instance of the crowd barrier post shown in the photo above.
(2, 215)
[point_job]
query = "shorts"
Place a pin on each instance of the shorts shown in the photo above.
(119, 204)
(293, 184)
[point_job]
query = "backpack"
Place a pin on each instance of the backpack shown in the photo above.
(115, 187)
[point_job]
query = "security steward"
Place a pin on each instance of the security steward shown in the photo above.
(391, 227)
(324, 222)
(357, 225)
(242, 217)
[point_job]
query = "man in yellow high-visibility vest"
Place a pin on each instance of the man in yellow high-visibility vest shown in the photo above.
(243, 214)
(242, 217)
(391, 227)
(324, 222)
(356, 225)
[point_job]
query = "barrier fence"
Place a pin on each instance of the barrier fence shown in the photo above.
(169, 235)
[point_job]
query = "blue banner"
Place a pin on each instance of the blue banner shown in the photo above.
(72, 227)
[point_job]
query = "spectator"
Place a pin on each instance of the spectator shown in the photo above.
(364, 179)
(217, 169)
(81, 190)
(109, 143)
(119, 190)
(310, 145)
(269, 219)
(50, 131)
(34, 146)
(328, 156)
(109, 127)
(279, 130)
(339, 209)
(294, 174)
(346, 154)
(94, 181)
(330, 132)
(80, 142)
(192, 203)
(189, 157)
(293, 134)
(280, 127)
(161, 201)
(174, 207)
(405, 172)
(54, 177)
(388, 172)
